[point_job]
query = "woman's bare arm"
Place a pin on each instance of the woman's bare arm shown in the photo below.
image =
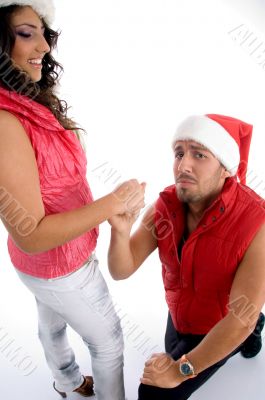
(20, 196)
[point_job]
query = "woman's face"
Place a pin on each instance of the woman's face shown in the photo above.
(30, 45)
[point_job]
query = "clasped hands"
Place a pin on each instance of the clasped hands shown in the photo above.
(162, 371)
(129, 198)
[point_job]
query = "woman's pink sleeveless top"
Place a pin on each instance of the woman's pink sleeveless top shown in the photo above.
(61, 165)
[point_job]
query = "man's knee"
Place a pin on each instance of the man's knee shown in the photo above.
(147, 392)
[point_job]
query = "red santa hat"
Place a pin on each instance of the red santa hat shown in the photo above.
(226, 137)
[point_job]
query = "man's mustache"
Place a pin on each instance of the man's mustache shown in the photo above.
(185, 177)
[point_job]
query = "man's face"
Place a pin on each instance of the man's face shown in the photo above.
(198, 174)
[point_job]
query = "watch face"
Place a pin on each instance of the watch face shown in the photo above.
(186, 369)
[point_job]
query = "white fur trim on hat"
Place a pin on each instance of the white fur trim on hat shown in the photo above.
(44, 8)
(212, 135)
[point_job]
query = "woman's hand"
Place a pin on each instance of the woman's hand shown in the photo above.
(129, 197)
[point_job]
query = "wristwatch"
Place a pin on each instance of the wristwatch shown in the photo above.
(186, 368)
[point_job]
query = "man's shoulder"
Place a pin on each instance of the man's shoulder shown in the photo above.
(250, 198)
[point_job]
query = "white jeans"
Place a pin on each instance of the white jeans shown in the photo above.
(82, 300)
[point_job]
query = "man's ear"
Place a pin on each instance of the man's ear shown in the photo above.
(226, 173)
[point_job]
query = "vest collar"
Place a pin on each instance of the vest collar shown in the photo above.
(218, 207)
(26, 107)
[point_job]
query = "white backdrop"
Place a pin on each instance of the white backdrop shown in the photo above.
(133, 70)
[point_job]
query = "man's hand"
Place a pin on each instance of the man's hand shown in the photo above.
(162, 371)
(123, 223)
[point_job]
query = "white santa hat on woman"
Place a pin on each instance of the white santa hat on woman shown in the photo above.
(44, 8)
(226, 137)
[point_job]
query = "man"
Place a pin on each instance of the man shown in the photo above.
(210, 234)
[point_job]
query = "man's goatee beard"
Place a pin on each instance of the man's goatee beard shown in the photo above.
(188, 198)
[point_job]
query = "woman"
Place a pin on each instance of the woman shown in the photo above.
(47, 207)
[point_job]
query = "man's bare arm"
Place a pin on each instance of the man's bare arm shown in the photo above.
(127, 253)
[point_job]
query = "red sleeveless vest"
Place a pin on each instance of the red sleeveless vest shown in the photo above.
(61, 164)
(197, 287)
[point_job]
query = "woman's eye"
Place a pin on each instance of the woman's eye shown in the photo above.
(24, 34)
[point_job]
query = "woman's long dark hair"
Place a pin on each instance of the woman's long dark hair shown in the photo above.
(16, 80)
